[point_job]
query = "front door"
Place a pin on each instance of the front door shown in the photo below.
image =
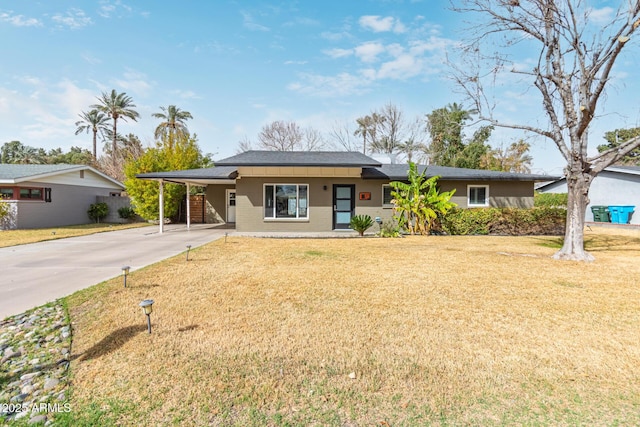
(231, 205)
(344, 203)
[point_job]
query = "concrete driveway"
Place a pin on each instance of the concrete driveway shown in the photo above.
(34, 274)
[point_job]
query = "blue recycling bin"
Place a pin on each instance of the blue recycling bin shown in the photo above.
(614, 213)
(625, 214)
(621, 214)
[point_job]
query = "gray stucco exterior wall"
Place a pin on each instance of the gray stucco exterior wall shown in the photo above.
(68, 206)
(114, 203)
(250, 211)
(216, 197)
(502, 194)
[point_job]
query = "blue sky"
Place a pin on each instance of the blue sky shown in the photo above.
(237, 65)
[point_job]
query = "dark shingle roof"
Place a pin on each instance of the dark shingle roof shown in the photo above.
(299, 158)
(371, 168)
(399, 172)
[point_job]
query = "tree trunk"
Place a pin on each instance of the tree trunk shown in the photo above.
(578, 184)
(95, 146)
(114, 146)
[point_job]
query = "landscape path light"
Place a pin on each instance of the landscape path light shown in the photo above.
(125, 273)
(188, 249)
(379, 221)
(147, 308)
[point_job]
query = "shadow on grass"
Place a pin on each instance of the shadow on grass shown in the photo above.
(188, 328)
(111, 342)
(601, 243)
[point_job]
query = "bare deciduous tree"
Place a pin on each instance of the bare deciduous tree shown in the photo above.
(289, 136)
(343, 137)
(574, 63)
(390, 131)
(280, 136)
(244, 145)
(313, 140)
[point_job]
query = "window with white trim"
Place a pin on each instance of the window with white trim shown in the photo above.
(477, 196)
(386, 196)
(286, 201)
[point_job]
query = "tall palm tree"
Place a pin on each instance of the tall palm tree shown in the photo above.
(27, 155)
(412, 148)
(368, 129)
(94, 121)
(173, 122)
(364, 130)
(116, 106)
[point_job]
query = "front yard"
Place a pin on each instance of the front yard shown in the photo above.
(415, 331)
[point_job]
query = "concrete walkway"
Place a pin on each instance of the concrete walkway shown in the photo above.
(34, 274)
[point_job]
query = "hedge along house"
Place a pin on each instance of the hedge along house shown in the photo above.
(283, 191)
(42, 196)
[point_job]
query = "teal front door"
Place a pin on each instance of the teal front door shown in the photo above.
(344, 203)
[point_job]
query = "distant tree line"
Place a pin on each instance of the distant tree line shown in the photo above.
(437, 138)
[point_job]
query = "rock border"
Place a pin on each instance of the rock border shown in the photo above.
(35, 351)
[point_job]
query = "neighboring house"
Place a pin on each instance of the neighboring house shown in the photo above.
(320, 191)
(614, 186)
(52, 195)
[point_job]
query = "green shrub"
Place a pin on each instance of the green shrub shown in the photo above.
(361, 223)
(550, 200)
(4, 209)
(460, 221)
(389, 228)
(126, 212)
(505, 221)
(98, 211)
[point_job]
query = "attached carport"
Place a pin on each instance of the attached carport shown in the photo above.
(199, 177)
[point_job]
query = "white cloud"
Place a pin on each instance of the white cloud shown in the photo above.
(19, 20)
(74, 19)
(601, 16)
(290, 62)
(403, 67)
(368, 52)
(338, 53)
(108, 9)
(343, 84)
(378, 24)
(377, 62)
(42, 114)
(91, 59)
(250, 24)
(135, 82)
(30, 80)
(185, 94)
(335, 36)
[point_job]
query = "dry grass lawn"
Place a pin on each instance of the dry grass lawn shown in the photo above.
(21, 237)
(437, 330)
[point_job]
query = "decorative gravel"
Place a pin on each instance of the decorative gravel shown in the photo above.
(35, 348)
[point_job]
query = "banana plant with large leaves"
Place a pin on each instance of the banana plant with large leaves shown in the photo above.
(418, 201)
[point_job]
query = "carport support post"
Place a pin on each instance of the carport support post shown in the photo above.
(161, 198)
(188, 205)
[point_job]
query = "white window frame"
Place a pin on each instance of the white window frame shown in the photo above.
(386, 205)
(275, 218)
(486, 197)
